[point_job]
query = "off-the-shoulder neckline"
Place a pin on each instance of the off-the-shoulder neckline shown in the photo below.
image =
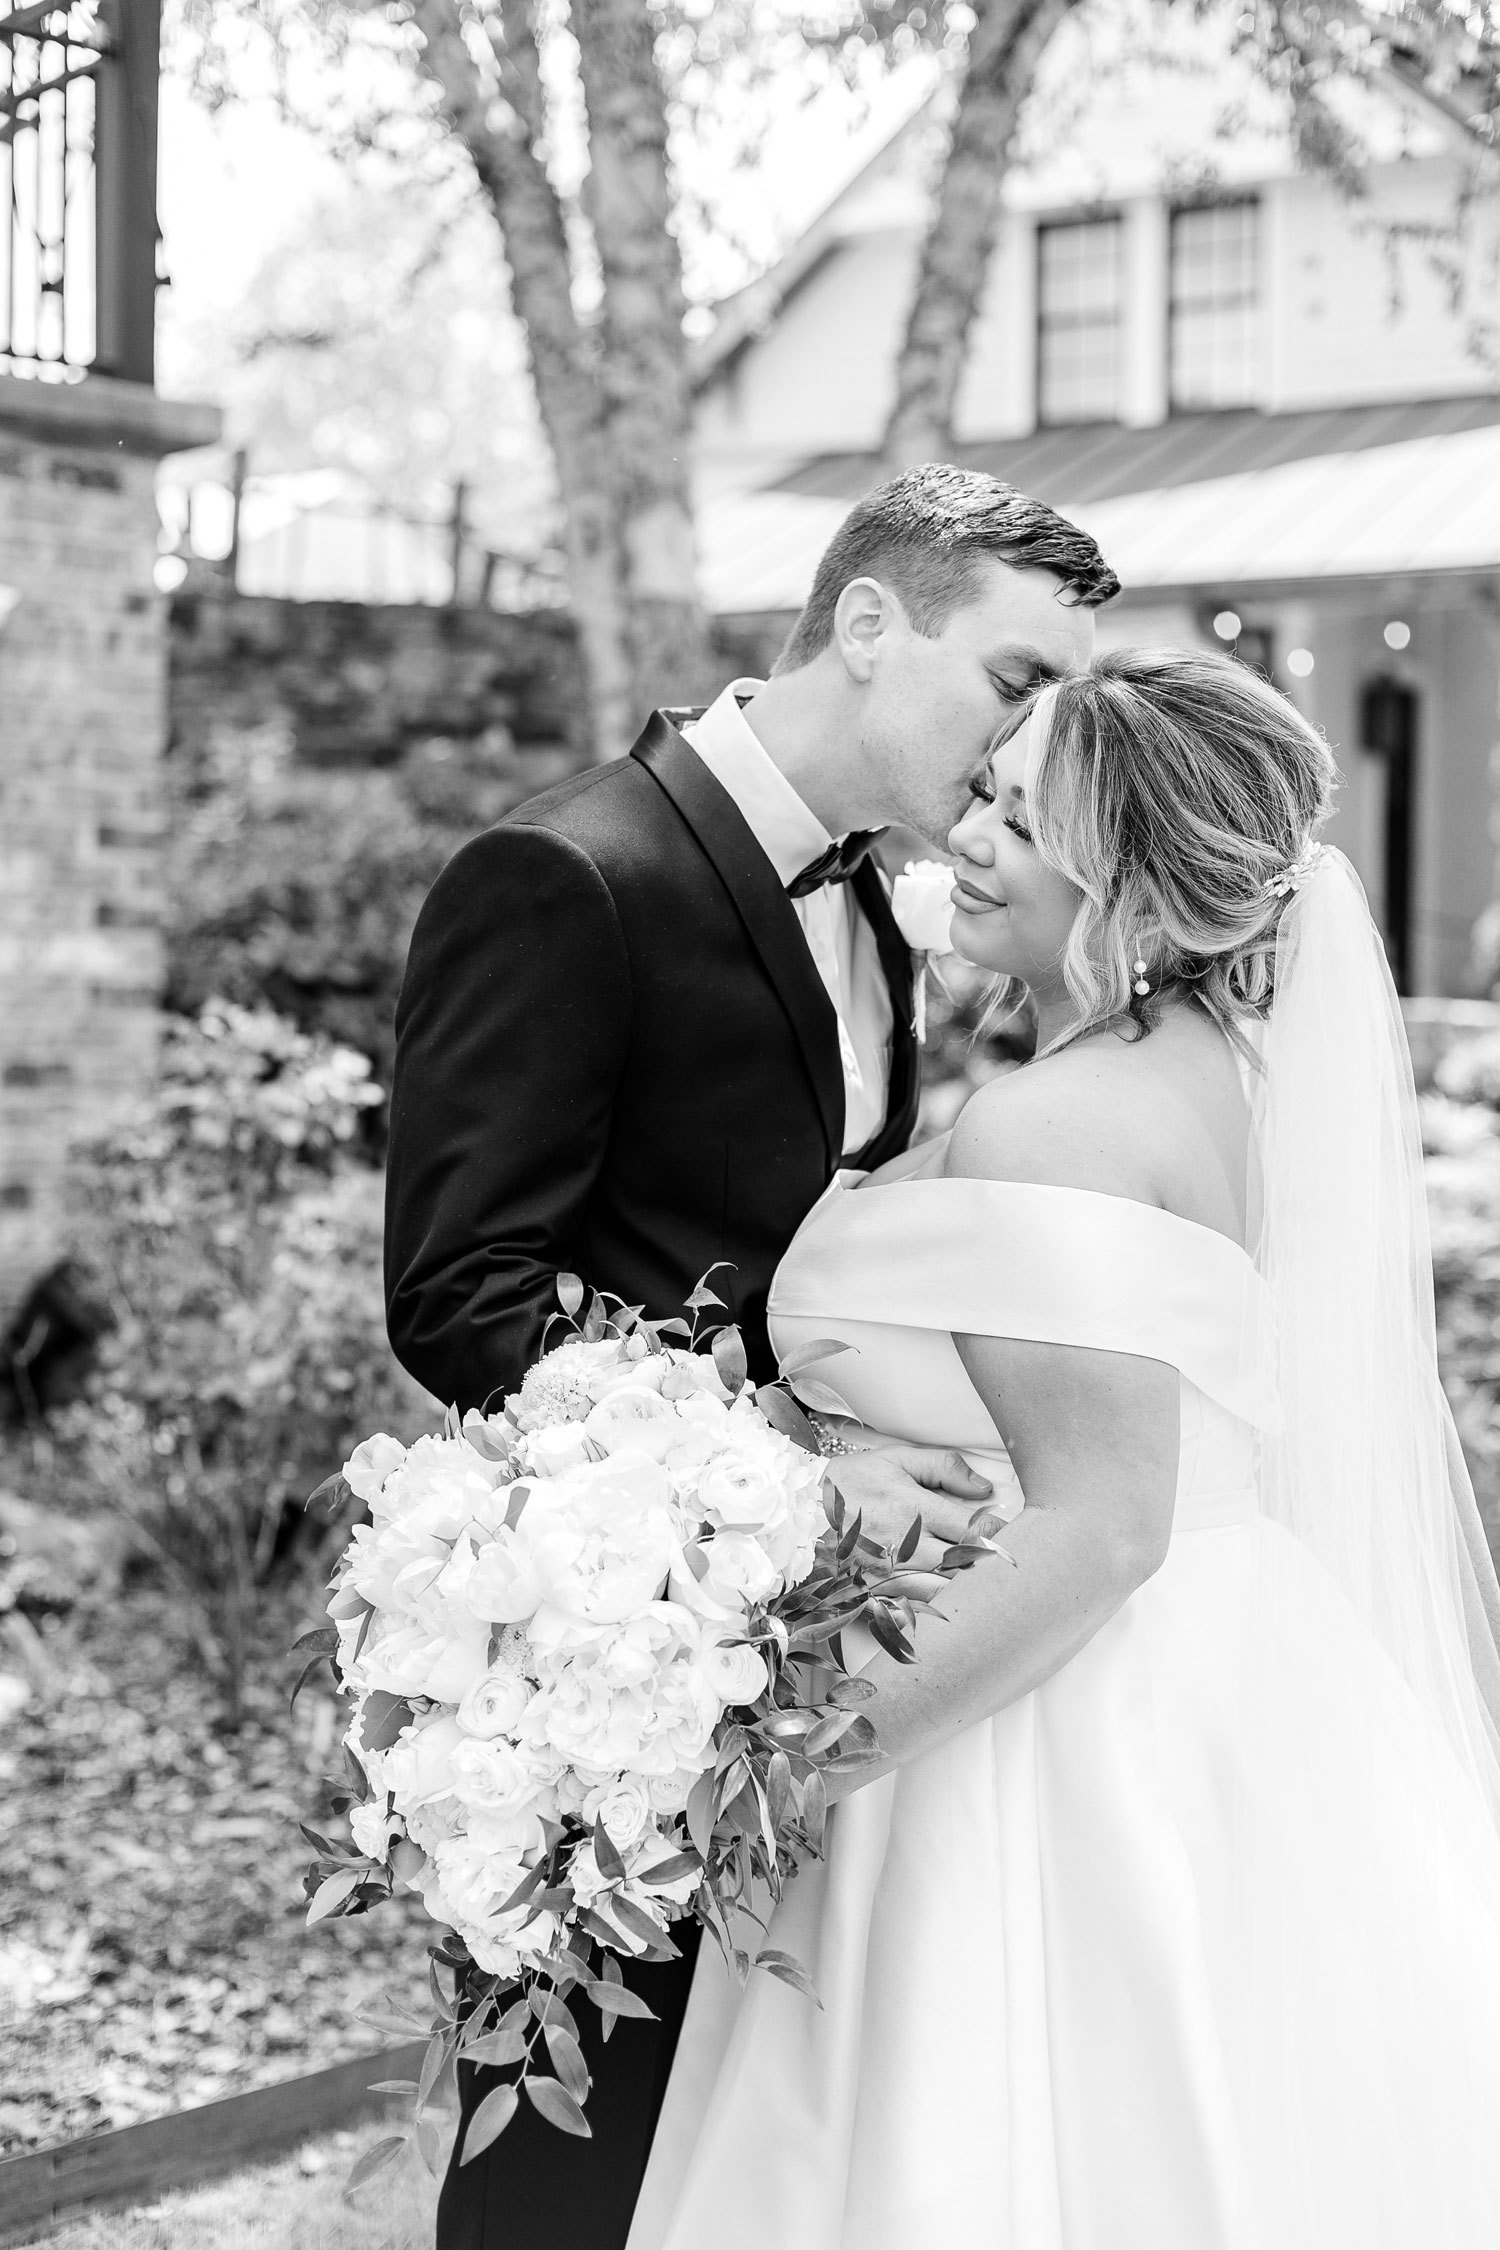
(1047, 1187)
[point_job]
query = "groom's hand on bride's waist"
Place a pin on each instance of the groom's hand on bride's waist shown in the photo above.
(889, 1483)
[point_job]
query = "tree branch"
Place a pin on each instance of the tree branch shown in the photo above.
(1005, 47)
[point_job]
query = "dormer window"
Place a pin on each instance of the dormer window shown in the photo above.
(1079, 304)
(1214, 314)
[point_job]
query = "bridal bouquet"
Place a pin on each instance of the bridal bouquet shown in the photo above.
(594, 1649)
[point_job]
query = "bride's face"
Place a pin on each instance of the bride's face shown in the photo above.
(1013, 914)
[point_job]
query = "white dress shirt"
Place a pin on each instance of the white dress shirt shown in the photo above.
(839, 938)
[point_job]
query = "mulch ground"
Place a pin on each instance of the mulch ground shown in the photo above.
(153, 1952)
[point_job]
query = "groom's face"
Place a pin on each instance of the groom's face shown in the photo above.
(936, 700)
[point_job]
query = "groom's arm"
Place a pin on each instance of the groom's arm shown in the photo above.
(511, 1034)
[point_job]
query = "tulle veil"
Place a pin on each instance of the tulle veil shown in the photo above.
(1365, 1467)
(1362, 1482)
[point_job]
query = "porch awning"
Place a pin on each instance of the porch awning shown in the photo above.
(1426, 504)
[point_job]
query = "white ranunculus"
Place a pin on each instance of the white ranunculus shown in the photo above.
(495, 1704)
(922, 902)
(743, 1491)
(370, 1464)
(418, 1766)
(735, 1671)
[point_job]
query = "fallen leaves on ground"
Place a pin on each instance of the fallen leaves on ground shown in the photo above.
(153, 1953)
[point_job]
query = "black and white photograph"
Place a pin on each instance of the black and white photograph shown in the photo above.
(750, 1124)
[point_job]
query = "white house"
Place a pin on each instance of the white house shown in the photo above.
(1277, 407)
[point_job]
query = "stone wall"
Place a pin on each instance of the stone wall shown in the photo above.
(82, 723)
(357, 684)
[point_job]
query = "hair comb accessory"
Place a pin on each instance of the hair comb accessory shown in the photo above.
(1297, 871)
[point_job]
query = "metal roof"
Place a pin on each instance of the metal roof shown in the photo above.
(1099, 461)
(1413, 500)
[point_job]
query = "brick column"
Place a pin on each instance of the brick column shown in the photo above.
(82, 729)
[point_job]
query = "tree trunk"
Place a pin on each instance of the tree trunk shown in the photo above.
(502, 138)
(643, 364)
(1005, 46)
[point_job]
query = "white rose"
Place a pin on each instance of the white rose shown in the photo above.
(736, 1672)
(922, 902)
(495, 1704)
(419, 1764)
(500, 1777)
(370, 1464)
(624, 1806)
(669, 1792)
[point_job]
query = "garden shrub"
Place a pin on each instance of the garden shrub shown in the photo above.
(295, 888)
(236, 1234)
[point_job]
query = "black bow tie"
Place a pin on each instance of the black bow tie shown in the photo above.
(836, 865)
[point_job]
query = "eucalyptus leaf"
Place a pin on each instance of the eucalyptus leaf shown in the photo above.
(331, 1894)
(790, 1972)
(383, 1718)
(569, 1296)
(497, 2048)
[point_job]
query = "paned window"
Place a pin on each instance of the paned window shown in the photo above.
(1215, 306)
(1079, 286)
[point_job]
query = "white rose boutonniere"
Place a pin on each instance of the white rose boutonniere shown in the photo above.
(922, 902)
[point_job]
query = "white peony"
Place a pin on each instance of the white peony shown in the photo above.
(558, 1447)
(922, 902)
(418, 1766)
(633, 1416)
(501, 1777)
(413, 1660)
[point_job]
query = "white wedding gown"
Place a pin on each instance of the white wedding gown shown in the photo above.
(1196, 1947)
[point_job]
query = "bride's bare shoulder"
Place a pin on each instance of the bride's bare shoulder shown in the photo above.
(1056, 1123)
(1153, 1119)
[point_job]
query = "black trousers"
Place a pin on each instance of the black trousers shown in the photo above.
(540, 2189)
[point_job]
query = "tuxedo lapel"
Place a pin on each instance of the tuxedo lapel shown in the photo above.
(900, 973)
(763, 906)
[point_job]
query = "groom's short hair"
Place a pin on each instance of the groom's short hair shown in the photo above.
(927, 534)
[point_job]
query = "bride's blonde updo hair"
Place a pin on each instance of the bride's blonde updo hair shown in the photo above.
(1175, 789)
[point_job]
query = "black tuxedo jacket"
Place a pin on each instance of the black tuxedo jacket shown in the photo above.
(615, 1057)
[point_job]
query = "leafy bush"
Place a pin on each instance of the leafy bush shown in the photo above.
(239, 1242)
(296, 888)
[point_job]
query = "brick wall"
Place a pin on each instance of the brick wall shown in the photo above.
(82, 723)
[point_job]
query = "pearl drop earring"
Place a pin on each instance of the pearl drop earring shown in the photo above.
(1142, 982)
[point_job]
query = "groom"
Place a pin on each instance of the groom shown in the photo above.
(644, 1020)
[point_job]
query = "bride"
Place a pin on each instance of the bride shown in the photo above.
(1171, 1918)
